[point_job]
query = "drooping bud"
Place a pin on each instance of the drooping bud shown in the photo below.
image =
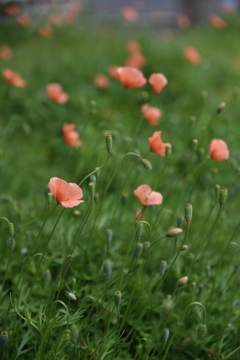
(174, 232)
(223, 196)
(217, 192)
(11, 244)
(168, 150)
(108, 236)
(182, 281)
(107, 269)
(166, 335)
(208, 270)
(109, 143)
(188, 213)
(11, 229)
(146, 164)
(47, 276)
(3, 339)
(139, 229)
(71, 296)
(96, 198)
(138, 250)
(92, 178)
(221, 106)
(163, 267)
(91, 188)
(50, 197)
(180, 221)
(117, 298)
(146, 246)
(201, 331)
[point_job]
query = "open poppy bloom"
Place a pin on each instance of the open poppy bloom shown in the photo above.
(131, 77)
(218, 150)
(129, 14)
(56, 93)
(147, 196)
(24, 20)
(156, 144)
(151, 114)
(70, 135)
(217, 22)
(5, 53)
(13, 78)
(192, 55)
(101, 81)
(158, 81)
(66, 194)
(46, 31)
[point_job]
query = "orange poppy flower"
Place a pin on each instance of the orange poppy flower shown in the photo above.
(56, 19)
(56, 93)
(129, 14)
(131, 77)
(133, 46)
(24, 20)
(5, 53)
(46, 31)
(183, 21)
(66, 194)
(217, 22)
(12, 10)
(147, 196)
(112, 71)
(136, 60)
(218, 150)
(70, 135)
(156, 144)
(158, 81)
(101, 81)
(227, 9)
(151, 114)
(13, 78)
(192, 55)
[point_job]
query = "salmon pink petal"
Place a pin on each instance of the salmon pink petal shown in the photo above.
(155, 198)
(158, 81)
(101, 81)
(218, 150)
(67, 194)
(131, 77)
(156, 144)
(152, 115)
(191, 55)
(147, 196)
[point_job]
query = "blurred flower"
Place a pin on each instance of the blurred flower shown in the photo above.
(151, 114)
(129, 14)
(147, 196)
(66, 194)
(139, 215)
(112, 71)
(133, 46)
(101, 81)
(13, 78)
(183, 21)
(24, 20)
(211, 353)
(136, 60)
(74, 7)
(156, 144)
(227, 9)
(158, 81)
(5, 53)
(218, 150)
(191, 55)
(186, 340)
(12, 10)
(56, 19)
(46, 31)
(56, 93)
(131, 77)
(217, 22)
(70, 135)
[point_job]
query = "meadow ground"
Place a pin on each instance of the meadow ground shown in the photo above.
(74, 283)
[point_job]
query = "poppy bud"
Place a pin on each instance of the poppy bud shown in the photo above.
(73, 283)
(3, 339)
(74, 332)
(146, 246)
(71, 296)
(92, 178)
(97, 173)
(163, 267)
(217, 192)
(50, 197)
(200, 288)
(184, 247)
(195, 143)
(221, 106)
(167, 307)
(138, 250)
(188, 213)
(208, 270)
(47, 276)
(107, 268)
(67, 338)
(139, 229)
(174, 232)
(96, 198)
(11, 244)
(108, 236)
(109, 143)
(11, 229)
(168, 150)
(180, 221)
(146, 164)
(223, 196)
(91, 188)
(201, 331)
(117, 298)
(182, 281)
(166, 335)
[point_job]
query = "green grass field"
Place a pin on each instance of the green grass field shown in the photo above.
(54, 250)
